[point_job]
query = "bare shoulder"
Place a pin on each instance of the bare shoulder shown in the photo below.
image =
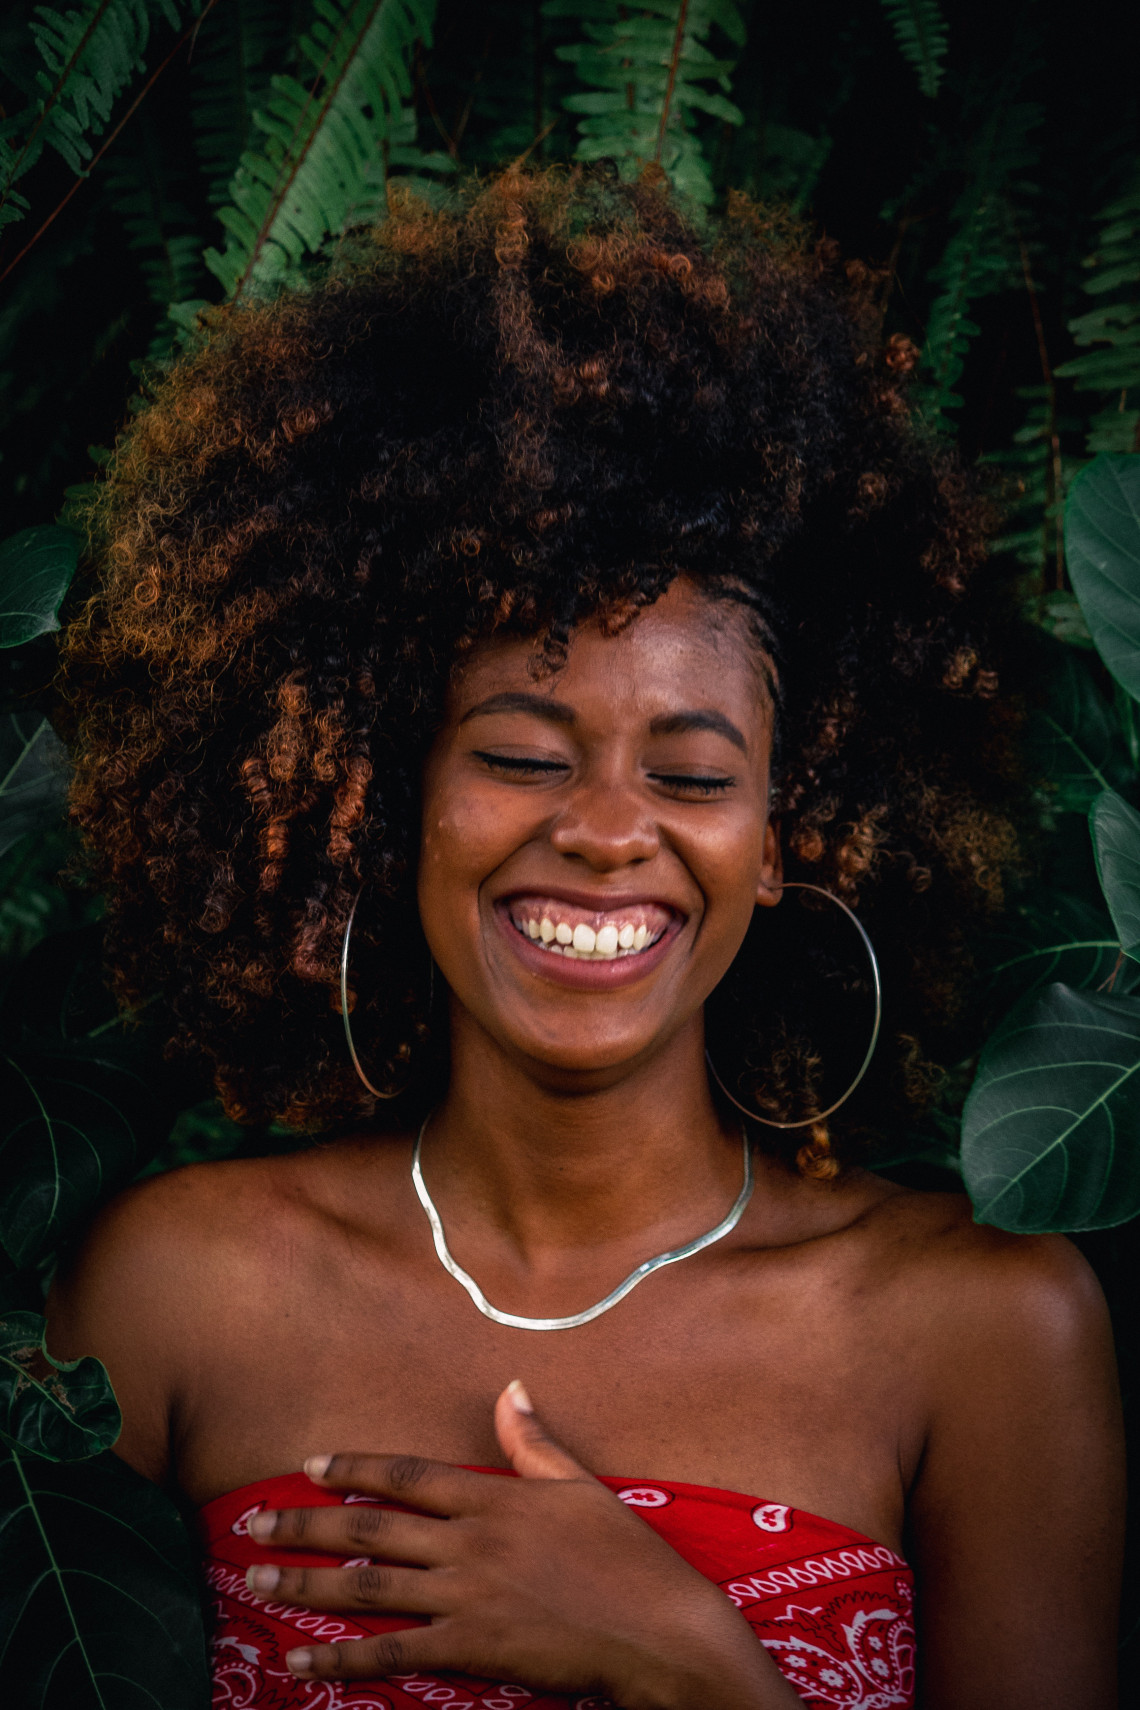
(138, 1290)
(170, 1247)
(220, 1221)
(181, 1264)
(1016, 1472)
(970, 1275)
(141, 1257)
(1001, 1332)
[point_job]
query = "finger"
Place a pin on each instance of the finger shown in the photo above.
(526, 1442)
(372, 1587)
(431, 1485)
(354, 1529)
(412, 1650)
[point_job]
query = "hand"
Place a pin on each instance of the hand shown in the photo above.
(547, 1579)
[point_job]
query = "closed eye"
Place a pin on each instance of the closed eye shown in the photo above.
(520, 765)
(700, 784)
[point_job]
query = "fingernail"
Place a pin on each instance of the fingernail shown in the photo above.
(519, 1396)
(263, 1578)
(261, 1526)
(298, 1662)
(316, 1466)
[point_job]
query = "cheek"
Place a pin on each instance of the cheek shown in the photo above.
(464, 837)
(728, 863)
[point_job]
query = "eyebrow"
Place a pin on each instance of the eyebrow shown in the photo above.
(681, 723)
(540, 705)
(667, 724)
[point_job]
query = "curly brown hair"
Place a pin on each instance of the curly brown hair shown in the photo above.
(542, 402)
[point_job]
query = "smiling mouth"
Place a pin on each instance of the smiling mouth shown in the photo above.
(588, 935)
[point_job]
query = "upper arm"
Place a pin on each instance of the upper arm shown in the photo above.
(1018, 1507)
(123, 1297)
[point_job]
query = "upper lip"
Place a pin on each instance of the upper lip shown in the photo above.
(607, 902)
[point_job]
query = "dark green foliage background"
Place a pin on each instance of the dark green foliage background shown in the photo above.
(986, 158)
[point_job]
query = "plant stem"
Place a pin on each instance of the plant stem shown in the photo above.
(58, 1573)
(674, 61)
(128, 115)
(1056, 479)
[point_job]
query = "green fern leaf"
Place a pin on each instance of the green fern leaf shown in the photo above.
(649, 80)
(323, 166)
(920, 31)
(1038, 476)
(1110, 332)
(151, 195)
(89, 55)
(235, 47)
(143, 185)
(983, 254)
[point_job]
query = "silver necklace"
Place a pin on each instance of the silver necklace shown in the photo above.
(513, 1319)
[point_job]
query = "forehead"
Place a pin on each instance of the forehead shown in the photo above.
(684, 649)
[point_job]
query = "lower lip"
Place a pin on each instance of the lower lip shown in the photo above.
(585, 976)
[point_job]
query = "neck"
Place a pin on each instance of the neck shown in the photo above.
(532, 1171)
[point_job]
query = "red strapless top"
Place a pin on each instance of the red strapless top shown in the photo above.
(832, 1608)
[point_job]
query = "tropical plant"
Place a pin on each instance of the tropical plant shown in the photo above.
(1051, 1128)
(647, 71)
(328, 144)
(920, 30)
(88, 56)
(159, 155)
(1111, 367)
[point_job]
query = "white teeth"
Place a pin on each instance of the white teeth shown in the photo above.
(584, 943)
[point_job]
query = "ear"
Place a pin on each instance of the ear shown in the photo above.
(770, 885)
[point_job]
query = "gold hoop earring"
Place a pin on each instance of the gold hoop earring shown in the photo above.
(811, 1121)
(356, 1063)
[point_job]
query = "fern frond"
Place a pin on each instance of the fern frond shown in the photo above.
(920, 31)
(649, 77)
(142, 184)
(494, 84)
(1038, 477)
(787, 165)
(234, 50)
(324, 163)
(1110, 333)
(983, 253)
(89, 55)
(150, 194)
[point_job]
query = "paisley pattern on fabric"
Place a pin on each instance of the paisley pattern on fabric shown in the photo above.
(833, 1608)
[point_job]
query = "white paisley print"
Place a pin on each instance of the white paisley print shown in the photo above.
(848, 1654)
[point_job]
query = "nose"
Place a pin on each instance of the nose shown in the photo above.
(607, 826)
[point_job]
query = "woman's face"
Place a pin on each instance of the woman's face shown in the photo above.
(594, 843)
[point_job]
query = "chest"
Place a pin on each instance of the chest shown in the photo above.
(742, 1371)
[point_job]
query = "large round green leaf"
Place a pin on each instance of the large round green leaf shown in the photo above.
(72, 1133)
(1054, 936)
(1102, 545)
(36, 567)
(61, 1410)
(85, 1099)
(1051, 1129)
(33, 776)
(100, 1607)
(1075, 736)
(1116, 840)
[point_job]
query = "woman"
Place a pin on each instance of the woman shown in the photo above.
(487, 641)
